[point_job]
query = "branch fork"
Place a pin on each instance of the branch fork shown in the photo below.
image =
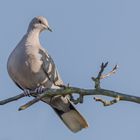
(100, 75)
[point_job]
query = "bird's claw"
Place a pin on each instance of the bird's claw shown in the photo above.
(39, 90)
(27, 92)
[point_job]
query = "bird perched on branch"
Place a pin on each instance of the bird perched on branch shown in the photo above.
(32, 68)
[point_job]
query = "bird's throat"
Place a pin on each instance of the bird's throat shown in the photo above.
(33, 37)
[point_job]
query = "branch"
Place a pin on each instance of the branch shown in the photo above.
(14, 98)
(67, 90)
(80, 91)
(11, 99)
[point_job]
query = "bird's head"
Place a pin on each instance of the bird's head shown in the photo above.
(40, 23)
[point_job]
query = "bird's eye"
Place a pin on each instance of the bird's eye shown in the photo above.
(40, 21)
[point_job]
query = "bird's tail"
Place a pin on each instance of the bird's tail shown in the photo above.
(69, 115)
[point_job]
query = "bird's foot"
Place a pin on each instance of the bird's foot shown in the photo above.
(39, 90)
(27, 92)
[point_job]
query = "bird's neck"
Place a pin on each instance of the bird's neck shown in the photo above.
(33, 37)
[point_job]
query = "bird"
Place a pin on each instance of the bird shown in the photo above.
(31, 67)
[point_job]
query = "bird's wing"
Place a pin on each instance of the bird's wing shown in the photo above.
(49, 68)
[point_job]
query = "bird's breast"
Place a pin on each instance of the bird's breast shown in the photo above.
(33, 59)
(26, 70)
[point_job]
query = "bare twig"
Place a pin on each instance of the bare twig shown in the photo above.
(110, 73)
(28, 104)
(107, 103)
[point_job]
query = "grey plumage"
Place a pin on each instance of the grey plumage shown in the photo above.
(30, 66)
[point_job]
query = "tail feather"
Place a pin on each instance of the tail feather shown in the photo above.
(67, 113)
(72, 119)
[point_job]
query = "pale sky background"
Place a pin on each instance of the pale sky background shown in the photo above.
(85, 33)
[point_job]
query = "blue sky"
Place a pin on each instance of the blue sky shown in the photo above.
(85, 33)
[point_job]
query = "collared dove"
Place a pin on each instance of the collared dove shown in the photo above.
(31, 67)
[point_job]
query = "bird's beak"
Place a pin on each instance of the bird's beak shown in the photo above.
(49, 29)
